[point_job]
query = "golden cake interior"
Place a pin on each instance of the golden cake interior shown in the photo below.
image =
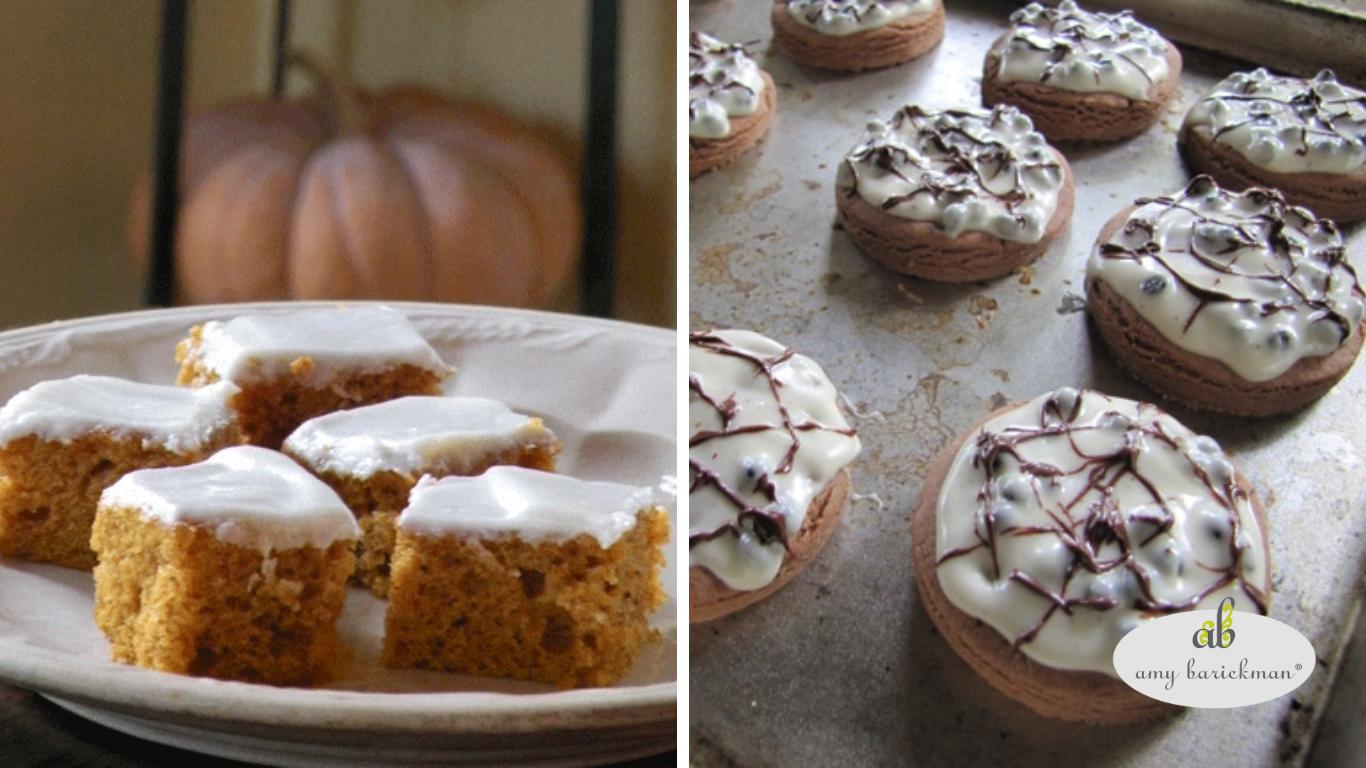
(570, 614)
(377, 500)
(177, 599)
(49, 489)
(269, 410)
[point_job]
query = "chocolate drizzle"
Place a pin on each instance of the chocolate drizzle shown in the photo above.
(1096, 533)
(715, 79)
(1069, 34)
(1268, 228)
(758, 508)
(1320, 109)
(970, 162)
(816, 11)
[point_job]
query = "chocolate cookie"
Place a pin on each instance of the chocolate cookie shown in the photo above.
(1051, 529)
(730, 103)
(954, 196)
(1304, 137)
(853, 35)
(1081, 75)
(1228, 301)
(768, 472)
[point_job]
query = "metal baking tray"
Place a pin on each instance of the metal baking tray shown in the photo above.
(843, 666)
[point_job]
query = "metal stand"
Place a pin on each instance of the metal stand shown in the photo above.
(598, 176)
(160, 288)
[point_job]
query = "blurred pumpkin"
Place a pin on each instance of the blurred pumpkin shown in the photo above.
(400, 195)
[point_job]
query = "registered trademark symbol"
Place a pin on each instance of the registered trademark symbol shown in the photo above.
(1299, 666)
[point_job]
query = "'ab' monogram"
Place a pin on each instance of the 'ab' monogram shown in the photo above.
(1208, 637)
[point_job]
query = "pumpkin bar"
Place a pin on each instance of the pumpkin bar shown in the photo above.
(525, 574)
(293, 366)
(233, 568)
(63, 442)
(372, 457)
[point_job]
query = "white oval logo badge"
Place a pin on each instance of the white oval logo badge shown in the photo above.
(1214, 659)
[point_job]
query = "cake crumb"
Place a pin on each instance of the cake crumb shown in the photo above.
(983, 309)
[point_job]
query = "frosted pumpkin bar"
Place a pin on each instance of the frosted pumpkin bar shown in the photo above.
(233, 568)
(525, 574)
(372, 457)
(63, 442)
(293, 366)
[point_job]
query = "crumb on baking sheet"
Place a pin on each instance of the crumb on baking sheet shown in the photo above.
(983, 309)
(1071, 304)
(904, 291)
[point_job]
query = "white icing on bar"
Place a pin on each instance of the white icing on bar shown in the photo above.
(767, 436)
(1068, 521)
(839, 18)
(1076, 50)
(251, 497)
(412, 435)
(1287, 124)
(1241, 278)
(367, 339)
(723, 82)
(963, 170)
(172, 418)
(531, 505)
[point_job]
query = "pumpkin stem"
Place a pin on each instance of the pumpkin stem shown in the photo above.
(341, 100)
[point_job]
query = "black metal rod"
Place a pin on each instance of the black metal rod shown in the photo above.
(160, 287)
(598, 174)
(277, 87)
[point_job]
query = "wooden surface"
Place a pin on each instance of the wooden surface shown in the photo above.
(34, 732)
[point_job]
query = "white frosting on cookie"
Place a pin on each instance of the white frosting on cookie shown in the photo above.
(173, 418)
(1076, 50)
(1287, 124)
(531, 505)
(1241, 278)
(411, 435)
(839, 18)
(767, 436)
(1068, 521)
(984, 171)
(723, 82)
(251, 497)
(364, 339)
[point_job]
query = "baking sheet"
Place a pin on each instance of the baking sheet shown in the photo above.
(844, 666)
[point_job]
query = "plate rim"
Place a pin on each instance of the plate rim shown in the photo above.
(407, 307)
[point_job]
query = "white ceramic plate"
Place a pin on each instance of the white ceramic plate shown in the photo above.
(607, 389)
